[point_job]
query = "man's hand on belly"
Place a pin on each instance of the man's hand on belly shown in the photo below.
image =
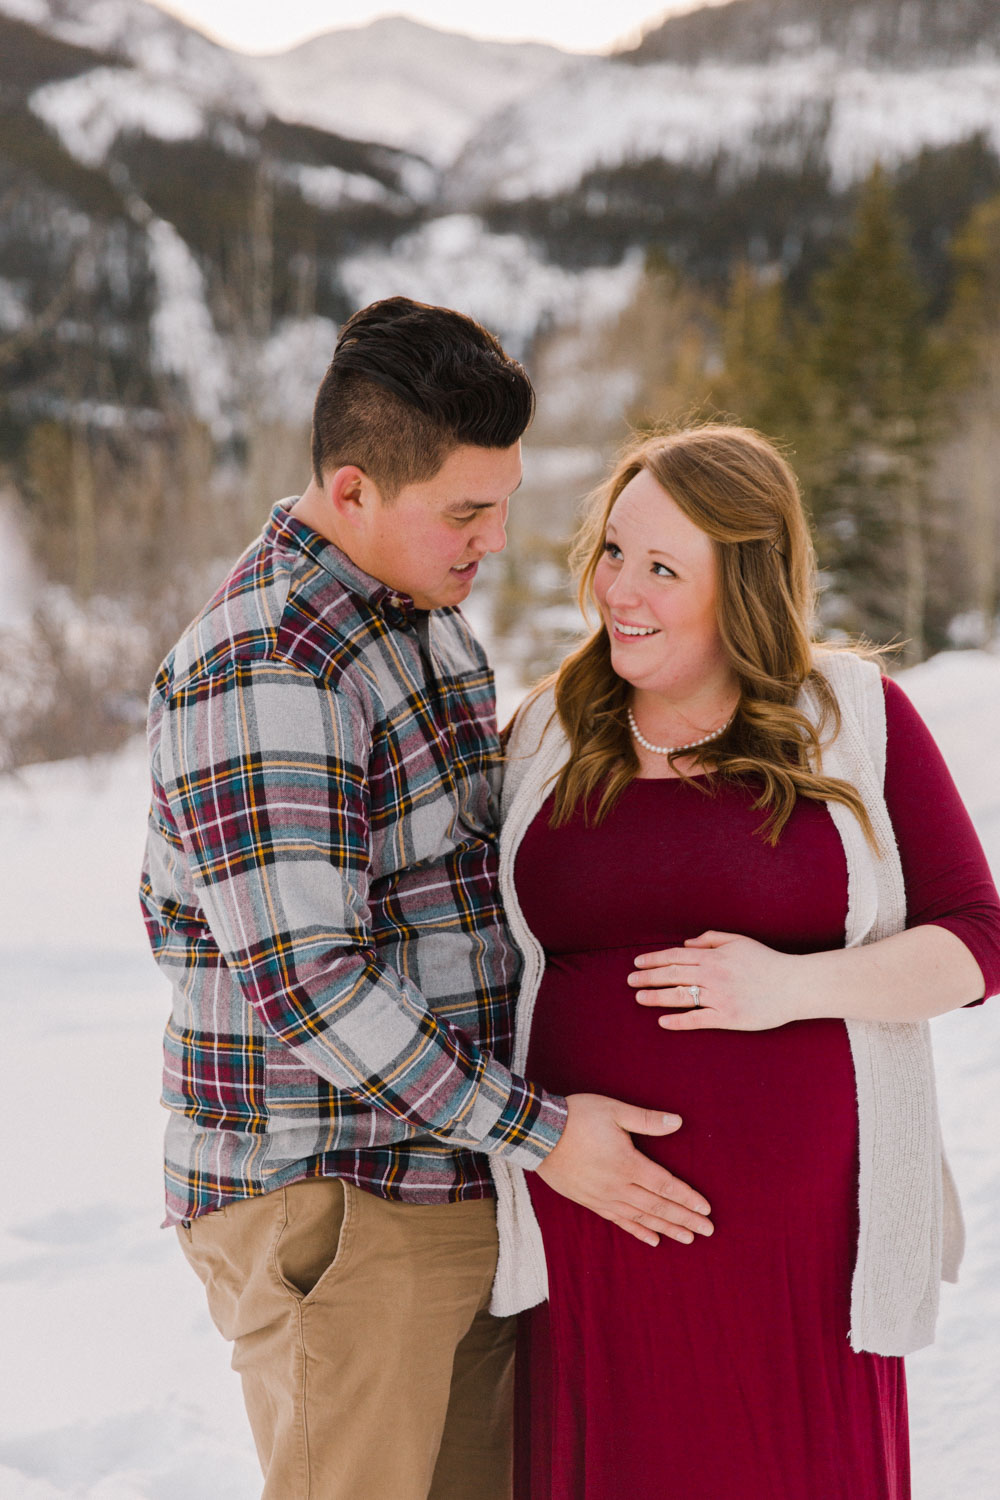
(595, 1163)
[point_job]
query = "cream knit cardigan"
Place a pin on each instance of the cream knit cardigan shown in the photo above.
(910, 1234)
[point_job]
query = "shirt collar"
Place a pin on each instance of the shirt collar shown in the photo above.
(285, 529)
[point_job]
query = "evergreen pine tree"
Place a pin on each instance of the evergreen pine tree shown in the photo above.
(972, 457)
(875, 381)
(765, 379)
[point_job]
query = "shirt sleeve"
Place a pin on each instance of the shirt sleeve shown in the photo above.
(947, 876)
(264, 770)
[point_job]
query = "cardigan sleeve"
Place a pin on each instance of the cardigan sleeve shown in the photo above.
(947, 876)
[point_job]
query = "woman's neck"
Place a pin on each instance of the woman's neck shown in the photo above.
(660, 722)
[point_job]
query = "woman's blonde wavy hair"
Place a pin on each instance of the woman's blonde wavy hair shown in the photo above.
(735, 485)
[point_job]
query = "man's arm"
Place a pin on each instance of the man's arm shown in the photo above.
(264, 776)
(264, 780)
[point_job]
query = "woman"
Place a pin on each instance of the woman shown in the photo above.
(712, 821)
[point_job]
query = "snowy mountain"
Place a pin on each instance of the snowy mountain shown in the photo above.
(170, 205)
(843, 83)
(155, 214)
(397, 81)
(154, 43)
(893, 33)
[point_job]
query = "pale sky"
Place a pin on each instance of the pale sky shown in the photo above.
(273, 25)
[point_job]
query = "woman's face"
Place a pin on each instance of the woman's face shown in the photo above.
(656, 588)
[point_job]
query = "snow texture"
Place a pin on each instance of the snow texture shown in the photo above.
(159, 45)
(17, 570)
(13, 304)
(401, 83)
(332, 187)
(185, 342)
(498, 278)
(604, 113)
(35, 12)
(293, 363)
(116, 1384)
(89, 112)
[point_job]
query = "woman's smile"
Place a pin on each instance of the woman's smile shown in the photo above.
(623, 632)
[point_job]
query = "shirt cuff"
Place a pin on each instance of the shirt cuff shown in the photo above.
(528, 1127)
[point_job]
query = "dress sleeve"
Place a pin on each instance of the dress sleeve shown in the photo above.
(948, 880)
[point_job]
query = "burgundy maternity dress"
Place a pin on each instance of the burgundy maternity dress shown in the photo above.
(719, 1370)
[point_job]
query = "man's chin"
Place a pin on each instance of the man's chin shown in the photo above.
(453, 591)
(456, 587)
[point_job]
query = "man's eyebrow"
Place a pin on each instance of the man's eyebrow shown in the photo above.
(473, 505)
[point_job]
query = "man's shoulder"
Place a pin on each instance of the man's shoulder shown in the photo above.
(276, 608)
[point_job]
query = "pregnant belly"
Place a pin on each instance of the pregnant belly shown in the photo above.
(770, 1117)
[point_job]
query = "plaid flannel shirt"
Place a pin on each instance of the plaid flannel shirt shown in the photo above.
(320, 887)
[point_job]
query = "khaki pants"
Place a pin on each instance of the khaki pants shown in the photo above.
(371, 1369)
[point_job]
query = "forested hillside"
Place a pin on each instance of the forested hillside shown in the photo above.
(787, 211)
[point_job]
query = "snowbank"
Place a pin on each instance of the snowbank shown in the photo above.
(116, 1383)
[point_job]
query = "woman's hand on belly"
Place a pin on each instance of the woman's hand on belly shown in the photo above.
(594, 1163)
(745, 986)
(721, 980)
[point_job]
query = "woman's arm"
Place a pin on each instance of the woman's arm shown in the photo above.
(746, 986)
(948, 957)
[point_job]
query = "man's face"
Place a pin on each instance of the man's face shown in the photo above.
(429, 540)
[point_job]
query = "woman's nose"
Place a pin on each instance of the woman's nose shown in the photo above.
(622, 589)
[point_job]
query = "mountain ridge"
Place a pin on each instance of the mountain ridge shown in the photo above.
(565, 178)
(422, 88)
(894, 32)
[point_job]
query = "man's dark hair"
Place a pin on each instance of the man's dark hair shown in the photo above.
(407, 384)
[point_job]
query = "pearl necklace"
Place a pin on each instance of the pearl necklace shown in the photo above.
(676, 749)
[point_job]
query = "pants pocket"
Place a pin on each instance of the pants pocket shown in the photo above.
(314, 1238)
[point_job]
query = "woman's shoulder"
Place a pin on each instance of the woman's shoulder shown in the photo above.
(535, 720)
(857, 684)
(536, 738)
(846, 670)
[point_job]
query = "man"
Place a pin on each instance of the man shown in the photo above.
(320, 886)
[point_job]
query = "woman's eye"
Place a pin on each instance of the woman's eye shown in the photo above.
(662, 571)
(611, 550)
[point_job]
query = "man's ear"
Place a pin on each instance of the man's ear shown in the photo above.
(350, 493)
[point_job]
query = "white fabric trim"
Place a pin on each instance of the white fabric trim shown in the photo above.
(910, 1221)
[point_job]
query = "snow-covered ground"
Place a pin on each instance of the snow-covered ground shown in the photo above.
(115, 1384)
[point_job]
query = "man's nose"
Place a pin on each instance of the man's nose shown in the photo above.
(494, 533)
